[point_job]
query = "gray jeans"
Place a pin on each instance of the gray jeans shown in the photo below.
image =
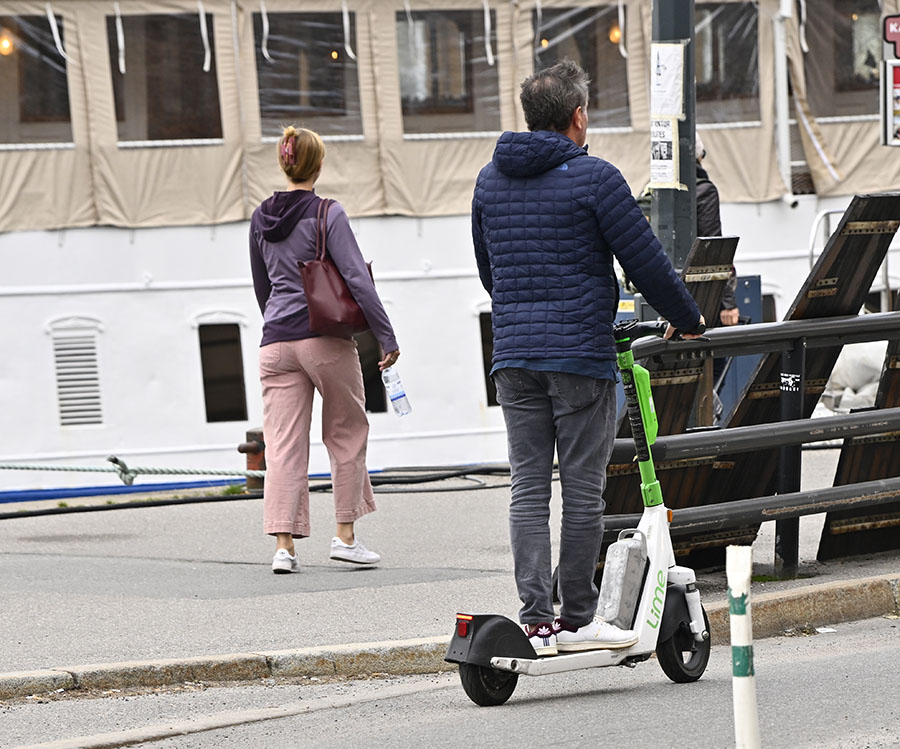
(574, 414)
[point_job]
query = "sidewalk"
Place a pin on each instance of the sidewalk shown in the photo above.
(164, 595)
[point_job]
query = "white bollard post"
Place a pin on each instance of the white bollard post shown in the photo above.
(738, 569)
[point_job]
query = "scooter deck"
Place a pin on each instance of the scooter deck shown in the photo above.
(556, 664)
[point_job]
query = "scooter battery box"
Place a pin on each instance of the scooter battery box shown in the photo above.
(623, 575)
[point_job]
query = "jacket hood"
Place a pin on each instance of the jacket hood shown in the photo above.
(527, 154)
(278, 215)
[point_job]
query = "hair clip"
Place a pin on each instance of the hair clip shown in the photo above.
(288, 156)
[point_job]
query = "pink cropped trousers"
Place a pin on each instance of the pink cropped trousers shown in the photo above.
(290, 373)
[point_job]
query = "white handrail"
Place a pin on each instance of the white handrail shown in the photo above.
(820, 216)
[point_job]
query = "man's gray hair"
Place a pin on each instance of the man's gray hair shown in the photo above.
(551, 96)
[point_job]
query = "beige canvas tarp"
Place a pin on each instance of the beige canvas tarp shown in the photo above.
(844, 154)
(97, 180)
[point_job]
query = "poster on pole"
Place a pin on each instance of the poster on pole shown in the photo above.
(664, 153)
(667, 80)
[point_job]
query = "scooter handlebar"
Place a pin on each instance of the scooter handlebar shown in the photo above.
(633, 329)
(678, 335)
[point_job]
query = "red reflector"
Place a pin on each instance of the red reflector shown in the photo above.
(462, 627)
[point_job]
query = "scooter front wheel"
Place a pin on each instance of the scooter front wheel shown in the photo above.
(681, 657)
(487, 686)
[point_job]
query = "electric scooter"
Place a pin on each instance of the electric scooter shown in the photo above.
(660, 601)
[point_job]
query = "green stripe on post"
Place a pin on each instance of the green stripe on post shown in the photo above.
(742, 660)
(737, 606)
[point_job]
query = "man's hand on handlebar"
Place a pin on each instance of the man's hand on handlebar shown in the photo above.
(672, 331)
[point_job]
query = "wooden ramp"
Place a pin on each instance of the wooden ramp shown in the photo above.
(837, 285)
(871, 529)
(707, 269)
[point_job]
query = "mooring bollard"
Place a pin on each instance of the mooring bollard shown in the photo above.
(255, 450)
(738, 568)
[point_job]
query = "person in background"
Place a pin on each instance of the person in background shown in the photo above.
(709, 224)
(295, 362)
(547, 220)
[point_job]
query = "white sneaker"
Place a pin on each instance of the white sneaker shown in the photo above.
(542, 638)
(356, 554)
(283, 562)
(595, 635)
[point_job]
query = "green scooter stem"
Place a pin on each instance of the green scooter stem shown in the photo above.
(639, 403)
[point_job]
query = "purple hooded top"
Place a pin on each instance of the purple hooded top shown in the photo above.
(283, 232)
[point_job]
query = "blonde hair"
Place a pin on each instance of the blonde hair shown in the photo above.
(300, 153)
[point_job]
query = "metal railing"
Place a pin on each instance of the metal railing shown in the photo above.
(758, 437)
(790, 338)
(766, 338)
(728, 515)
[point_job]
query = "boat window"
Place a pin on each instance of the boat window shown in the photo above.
(165, 88)
(369, 356)
(223, 372)
(487, 354)
(448, 78)
(33, 82)
(769, 312)
(590, 37)
(844, 41)
(727, 62)
(77, 371)
(305, 73)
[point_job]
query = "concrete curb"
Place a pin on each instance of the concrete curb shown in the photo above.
(399, 657)
(812, 606)
(773, 613)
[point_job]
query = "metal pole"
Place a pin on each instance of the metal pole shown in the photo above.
(673, 213)
(782, 101)
(793, 388)
(738, 569)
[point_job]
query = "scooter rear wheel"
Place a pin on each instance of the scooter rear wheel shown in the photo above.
(681, 657)
(487, 686)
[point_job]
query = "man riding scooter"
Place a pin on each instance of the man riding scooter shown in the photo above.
(547, 220)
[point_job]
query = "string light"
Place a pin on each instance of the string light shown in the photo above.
(615, 34)
(545, 43)
(334, 54)
(6, 44)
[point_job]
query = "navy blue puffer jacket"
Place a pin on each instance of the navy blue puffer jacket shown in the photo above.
(546, 222)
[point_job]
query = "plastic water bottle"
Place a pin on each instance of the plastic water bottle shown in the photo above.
(395, 391)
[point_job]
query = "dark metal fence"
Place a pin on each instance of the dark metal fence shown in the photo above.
(792, 338)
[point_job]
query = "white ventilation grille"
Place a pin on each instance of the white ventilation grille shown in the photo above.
(77, 378)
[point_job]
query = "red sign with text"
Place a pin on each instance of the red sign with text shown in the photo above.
(892, 32)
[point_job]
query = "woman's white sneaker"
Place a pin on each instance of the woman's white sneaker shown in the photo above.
(283, 562)
(595, 635)
(356, 553)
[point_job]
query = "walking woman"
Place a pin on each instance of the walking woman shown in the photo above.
(295, 362)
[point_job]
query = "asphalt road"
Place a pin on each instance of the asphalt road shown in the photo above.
(824, 691)
(190, 580)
